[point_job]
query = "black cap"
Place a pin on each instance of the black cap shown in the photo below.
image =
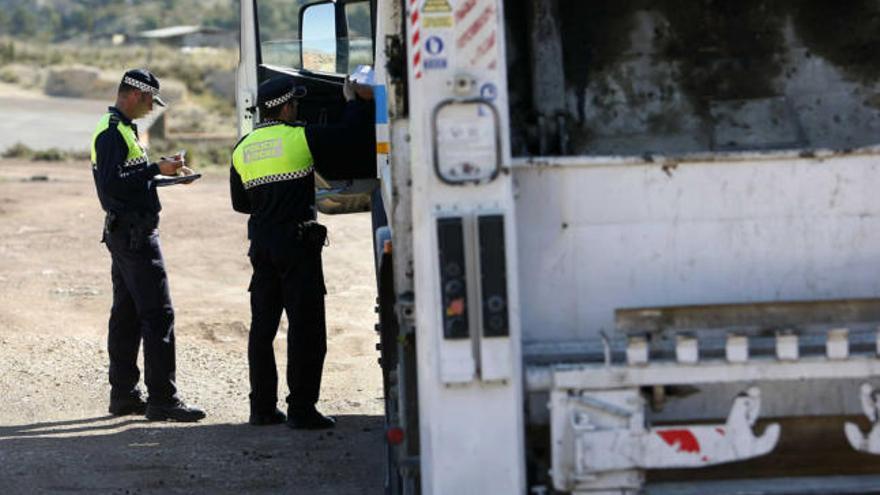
(143, 80)
(277, 91)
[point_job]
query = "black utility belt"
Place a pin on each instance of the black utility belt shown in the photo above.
(309, 234)
(136, 220)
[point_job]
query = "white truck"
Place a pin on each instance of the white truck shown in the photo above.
(621, 247)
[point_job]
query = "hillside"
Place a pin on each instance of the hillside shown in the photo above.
(61, 20)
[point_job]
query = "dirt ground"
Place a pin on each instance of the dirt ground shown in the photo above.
(55, 433)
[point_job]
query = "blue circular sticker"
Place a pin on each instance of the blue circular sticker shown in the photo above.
(434, 45)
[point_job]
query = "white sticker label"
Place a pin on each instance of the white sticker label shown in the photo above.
(466, 143)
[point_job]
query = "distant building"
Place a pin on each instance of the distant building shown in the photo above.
(189, 37)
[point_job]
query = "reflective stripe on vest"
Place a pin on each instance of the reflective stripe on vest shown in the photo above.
(136, 154)
(272, 154)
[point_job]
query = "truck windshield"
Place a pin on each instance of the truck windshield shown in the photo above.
(325, 47)
(606, 77)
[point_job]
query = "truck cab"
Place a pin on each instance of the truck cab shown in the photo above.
(621, 247)
(319, 44)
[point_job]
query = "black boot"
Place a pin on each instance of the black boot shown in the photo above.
(275, 417)
(129, 404)
(176, 411)
(309, 419)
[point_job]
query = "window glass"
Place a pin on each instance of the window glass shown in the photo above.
(279, 32)
(357, 15)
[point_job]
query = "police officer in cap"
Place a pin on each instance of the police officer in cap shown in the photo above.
(141, 303)
(272, 179)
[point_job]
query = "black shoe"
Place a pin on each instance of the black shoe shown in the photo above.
(176, 411)
(133, 404)
(275, 417)
(309, 419)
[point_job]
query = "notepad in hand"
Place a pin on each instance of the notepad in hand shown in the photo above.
(165, 180)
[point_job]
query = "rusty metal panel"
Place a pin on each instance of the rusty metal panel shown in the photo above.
(750, 318)
(675, 77)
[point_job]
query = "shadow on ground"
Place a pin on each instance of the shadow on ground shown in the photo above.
(131, 455)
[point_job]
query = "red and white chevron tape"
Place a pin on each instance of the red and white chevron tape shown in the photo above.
(415, 42)
(475, 23)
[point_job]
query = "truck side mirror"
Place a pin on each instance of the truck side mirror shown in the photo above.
(318, 50)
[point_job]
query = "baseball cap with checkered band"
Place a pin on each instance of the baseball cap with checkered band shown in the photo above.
(277, 91)
(143, 80)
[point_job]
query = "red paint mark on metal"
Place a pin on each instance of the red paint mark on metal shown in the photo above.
(476, 27)
(704, 459)
(414, 18)
(417, 58)
(465, 9)
(685, 440)
(484, 47)
(721, 431)
(415, 38)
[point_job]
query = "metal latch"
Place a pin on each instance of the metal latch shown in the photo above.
(871, 406)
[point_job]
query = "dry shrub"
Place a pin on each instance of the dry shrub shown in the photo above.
(18, 150)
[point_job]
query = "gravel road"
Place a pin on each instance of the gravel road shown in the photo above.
(42, 122)
(55, 434)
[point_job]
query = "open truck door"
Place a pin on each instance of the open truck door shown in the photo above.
(318, 43)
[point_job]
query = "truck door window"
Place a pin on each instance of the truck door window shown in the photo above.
(360, 37)
(279, 28)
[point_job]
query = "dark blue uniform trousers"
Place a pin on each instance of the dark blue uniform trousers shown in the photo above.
(141, 310)
(286, 277)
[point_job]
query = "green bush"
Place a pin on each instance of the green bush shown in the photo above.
(23, 151)
(7, 52)
(81, 155)
(50, 155)
(9, 76)
(18, 150)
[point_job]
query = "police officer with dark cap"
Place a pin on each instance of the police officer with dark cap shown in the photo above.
(124, 178)
(272, 179)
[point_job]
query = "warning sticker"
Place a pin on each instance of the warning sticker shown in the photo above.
(437, 21)
(436, 7)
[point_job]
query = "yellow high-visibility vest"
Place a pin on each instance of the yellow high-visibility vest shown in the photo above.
(136, 154)
(272, 154)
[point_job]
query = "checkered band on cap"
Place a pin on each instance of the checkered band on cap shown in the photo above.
(140, 85)
(279, 101)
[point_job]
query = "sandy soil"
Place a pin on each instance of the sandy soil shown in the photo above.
(55, 434)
